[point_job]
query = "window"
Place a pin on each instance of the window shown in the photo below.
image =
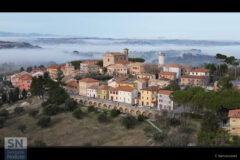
(108, 60)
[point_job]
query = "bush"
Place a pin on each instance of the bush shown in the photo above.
(102, 117)
(44, 104)
(22, 127)
(70, 104)
(77, 113)
(39, 143)
(91, 109)
(33, 113)
(114, 113)
(87, 144)
(159, 137)
(2, 121)
(51, 109)
(186, 129)
(18, 110)
(141, 118)
(44, 121)
(4, 113)
(174, 122)
(129, 122)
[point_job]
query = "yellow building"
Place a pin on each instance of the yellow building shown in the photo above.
(234, 122)
(149, 96)
(53, 70)
(125, 83)
(85, 83)
(103, 92)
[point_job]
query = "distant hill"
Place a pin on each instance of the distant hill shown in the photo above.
(10, 34)
(10, 45)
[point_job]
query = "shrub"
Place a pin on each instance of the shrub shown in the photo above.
(77, 113)
(51, 109)
(102, 117)
(39, 143)
(2, 121)
(87, 144)
(141, 118)
(44, 121)
(4, 113)
(114, 113)
(18, 110)
(91, 109)
(159, 137)
(70, 104)
(129, 122)
(174, 122)
(186, 129)
(33, 112)
(44, 104)
(22, 127)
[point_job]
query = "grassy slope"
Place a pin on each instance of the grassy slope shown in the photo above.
(65, 130)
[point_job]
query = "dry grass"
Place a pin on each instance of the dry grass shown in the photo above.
(65, 130)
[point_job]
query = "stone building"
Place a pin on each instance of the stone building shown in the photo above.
(190, 80)
(117, 69)
(167, 75)
(85, 83)
(136, 68)
(114, 57)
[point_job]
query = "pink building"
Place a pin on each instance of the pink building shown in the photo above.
(22, 80)
(113, 94)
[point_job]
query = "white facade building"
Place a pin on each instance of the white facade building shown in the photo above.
(173, 68)
(164, 101)
(92, 92)
(200, 72)
(127, 94)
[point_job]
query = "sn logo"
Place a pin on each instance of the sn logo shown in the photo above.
(16, 143)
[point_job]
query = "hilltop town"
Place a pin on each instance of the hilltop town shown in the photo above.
(169, 93)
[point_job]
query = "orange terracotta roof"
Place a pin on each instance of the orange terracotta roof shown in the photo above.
(167, 73)
(164, 79)
(72, 83)
(234, 113)
(200, 70)
(88, 80)
(186, 67)
(194, 77)
(105, 87)
(174, 65)
(54, 66)
(166, 92)
(151, 88)
(116, 66)
(123, 88)
(26, 77)
(122, 61)
(90, 61)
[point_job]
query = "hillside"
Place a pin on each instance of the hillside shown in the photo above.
(10, 45)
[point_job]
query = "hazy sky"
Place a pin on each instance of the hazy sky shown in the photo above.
(207, 26)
